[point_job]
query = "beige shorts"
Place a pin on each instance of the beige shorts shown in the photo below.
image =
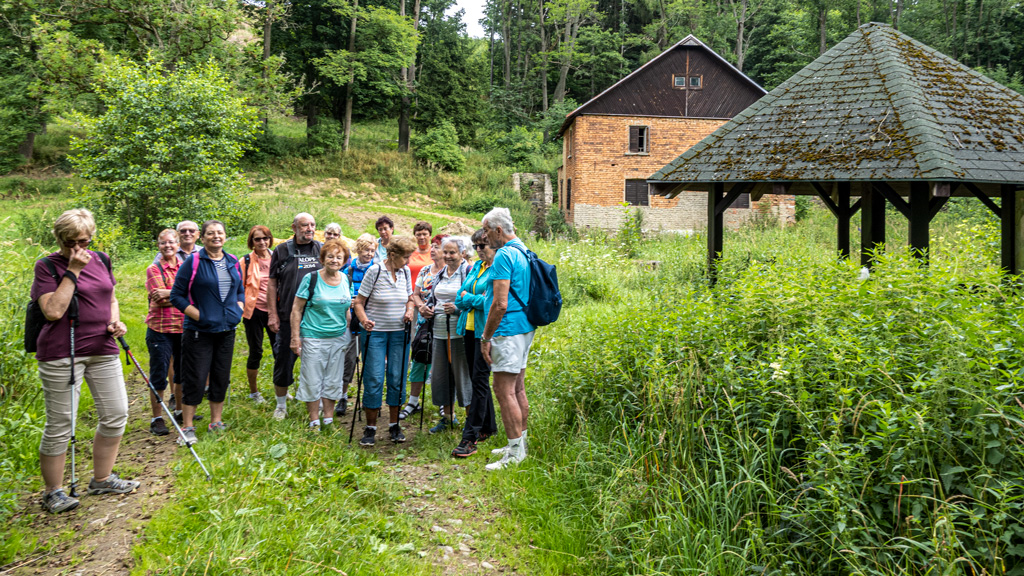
(509, 353)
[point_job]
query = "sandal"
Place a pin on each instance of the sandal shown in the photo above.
(409, 410)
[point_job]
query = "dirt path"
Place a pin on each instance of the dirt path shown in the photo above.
(443, 494)
(96, 538)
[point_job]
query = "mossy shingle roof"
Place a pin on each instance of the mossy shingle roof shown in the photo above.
(879, 106)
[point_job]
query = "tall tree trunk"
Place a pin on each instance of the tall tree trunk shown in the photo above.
(27, 145)
(403, 113)
(572, 23)
(266, 55)
(822, 28)
(741, 26)
(506, 25)
(543, 61)
(490, 52)
(351, 82)
(662, 30)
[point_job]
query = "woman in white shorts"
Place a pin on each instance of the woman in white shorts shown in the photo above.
(320, 333)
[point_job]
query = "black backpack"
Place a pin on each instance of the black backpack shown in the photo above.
(34, 317)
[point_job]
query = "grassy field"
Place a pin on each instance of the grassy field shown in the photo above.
(792, 419)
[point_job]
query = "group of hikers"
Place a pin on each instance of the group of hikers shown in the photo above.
(314, 301)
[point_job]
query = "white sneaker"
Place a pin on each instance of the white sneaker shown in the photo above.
(280, 413)
(510, 458)
(257, 398)
(500, 451)
(290, 397)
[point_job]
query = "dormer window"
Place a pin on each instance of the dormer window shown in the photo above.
(679, 81)
(696, 82)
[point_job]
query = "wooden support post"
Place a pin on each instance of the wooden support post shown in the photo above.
(872, 225)
(920, 218)
(843, 214)
(715, 225)
(1010, 231)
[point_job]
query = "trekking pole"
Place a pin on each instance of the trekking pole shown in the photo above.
(170, 415)
(72, 319)
(451, 377)
(359, 392)
(405, 357)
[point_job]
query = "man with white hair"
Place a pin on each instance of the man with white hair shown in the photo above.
(291, 261)
(506, 338)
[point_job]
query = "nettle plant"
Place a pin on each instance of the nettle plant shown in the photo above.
(799, 419)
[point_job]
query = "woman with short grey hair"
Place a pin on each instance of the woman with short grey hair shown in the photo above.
(76, 286)
(449, 372)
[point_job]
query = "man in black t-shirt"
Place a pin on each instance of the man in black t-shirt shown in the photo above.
(290, 262)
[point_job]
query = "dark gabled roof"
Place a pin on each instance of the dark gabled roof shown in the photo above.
(611, 99)
(879, 106)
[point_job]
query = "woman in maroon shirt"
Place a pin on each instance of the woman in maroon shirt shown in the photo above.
(85, 276)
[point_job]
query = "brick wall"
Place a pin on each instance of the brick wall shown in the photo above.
(595, 156)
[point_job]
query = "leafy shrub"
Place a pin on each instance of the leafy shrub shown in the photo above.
(166, 148)
(439, 147)
(631, 235)
(793, 419)
(557, 226)
(324, 137)
(519, 146)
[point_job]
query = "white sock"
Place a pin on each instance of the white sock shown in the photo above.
(516, 448)
(177, 412)
(314, 423)
(328, 421)
(374, 428)
(414, 400)
(155, 418)
(282, 401)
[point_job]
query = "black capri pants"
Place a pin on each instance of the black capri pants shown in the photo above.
(206, 354)
(255, 328)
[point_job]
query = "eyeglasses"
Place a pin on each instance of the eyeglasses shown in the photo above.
(188, 231)
(80, 243)
(479, 246)
(261, 239)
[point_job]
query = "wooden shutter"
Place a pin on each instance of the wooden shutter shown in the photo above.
(743, 201)
(634, 138)
(568, 194)
(636, 193)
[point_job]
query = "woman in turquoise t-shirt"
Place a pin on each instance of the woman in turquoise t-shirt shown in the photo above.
(320, 335)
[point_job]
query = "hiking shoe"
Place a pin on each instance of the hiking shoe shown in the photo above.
(409, 410)
(57, 501)
(369, 437)
(180, 418)
(500, 451)
(216, 427)
(112, 485)
(341, 408)
(158, 428)
(188, 436)
(280, 413)
(482, 437)
(465, 449)
(443, 425)
(508, 459)
(257, 398)
(395, 434)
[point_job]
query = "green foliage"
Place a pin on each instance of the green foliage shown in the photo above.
(519, 147)
(446, 90)
(631, 234)
(324, 138)
(167, 147)
(792, 419)
(440, 147)
(1013, 81)
(19, 112)
(557, 226)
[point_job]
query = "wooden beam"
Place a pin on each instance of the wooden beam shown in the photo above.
(984, 198)
(731, 197)
(843, 220)
(920, 218)
(715, 236)
(856, 207)
(872, 225)
(1008, 221)
(936, 204)
(826, 198)
(895, 199)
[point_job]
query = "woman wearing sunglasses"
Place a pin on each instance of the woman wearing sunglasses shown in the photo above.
(255, 318)
(77, 274)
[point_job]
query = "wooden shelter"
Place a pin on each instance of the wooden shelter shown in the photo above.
(878, 118)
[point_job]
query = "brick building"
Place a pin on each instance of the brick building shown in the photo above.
(612, 143)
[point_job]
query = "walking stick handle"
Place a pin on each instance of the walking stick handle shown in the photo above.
(124, 343)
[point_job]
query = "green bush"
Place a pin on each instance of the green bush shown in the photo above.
(439, 147)
(792, 419)
(519, 147)
(325, 137)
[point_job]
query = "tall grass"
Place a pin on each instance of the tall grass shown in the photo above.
(792, 419)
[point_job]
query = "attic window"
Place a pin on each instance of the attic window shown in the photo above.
(696, 82)
(679, 82)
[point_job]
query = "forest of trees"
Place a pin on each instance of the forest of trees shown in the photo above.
(333, 60)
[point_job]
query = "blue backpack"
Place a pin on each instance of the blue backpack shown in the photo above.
(545, 298)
